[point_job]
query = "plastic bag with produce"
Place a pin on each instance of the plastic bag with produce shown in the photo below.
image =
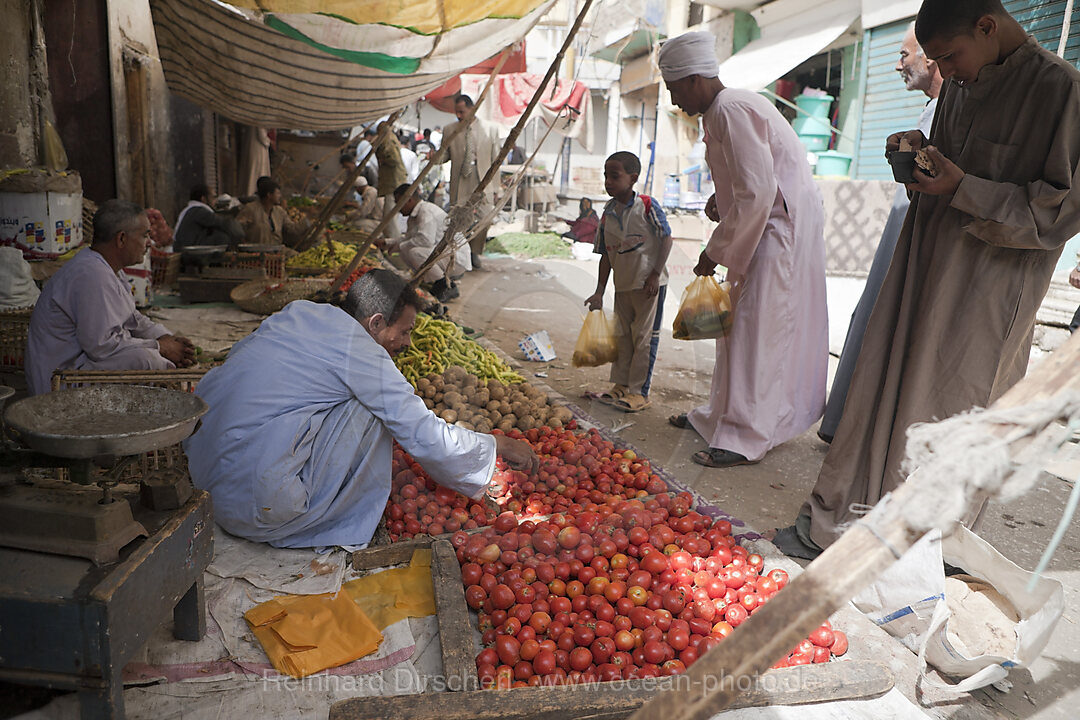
(706, 310)
(596, 342)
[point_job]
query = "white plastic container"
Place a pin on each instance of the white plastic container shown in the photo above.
(139, 278)
(44, 225)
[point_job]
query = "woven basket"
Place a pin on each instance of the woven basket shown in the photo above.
(14, 331)
(264, 298)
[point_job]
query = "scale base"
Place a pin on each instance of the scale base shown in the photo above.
(66, 523)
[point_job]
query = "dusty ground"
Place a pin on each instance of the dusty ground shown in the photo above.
(510, 298)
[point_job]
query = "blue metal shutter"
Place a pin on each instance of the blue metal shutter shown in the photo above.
(888, 106)
(1043, 19)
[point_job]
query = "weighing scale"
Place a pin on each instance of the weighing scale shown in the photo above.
(88, 570)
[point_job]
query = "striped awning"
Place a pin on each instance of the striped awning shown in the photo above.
(327, 64)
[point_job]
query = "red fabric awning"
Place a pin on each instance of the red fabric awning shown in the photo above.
(511, 94)
(442, 98)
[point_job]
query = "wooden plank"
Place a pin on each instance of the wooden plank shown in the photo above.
(455, 628)
(387, 555)
(790, 686)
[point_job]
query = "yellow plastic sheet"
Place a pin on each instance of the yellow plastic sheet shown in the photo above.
(392, 595)
(305, 634)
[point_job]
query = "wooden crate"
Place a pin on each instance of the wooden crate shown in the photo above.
(273, 263)
(455, 625)
(14, 331)
(164, 269)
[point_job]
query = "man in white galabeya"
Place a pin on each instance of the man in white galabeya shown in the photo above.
(770, 240)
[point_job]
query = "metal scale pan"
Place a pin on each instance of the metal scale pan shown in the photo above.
(69, 428)
(104, 420)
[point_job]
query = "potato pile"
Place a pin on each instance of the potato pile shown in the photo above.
(461, 398)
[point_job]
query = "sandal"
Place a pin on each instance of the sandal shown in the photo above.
(717, 458)
(679, 421)
(632, 403)
(612, 396)
(788, 541)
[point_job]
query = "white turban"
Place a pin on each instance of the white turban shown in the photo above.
(692, 53)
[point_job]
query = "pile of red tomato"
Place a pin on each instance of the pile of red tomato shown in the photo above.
(610, 591)
(418, 504)
(594, 572)
(353, 277)
(574, 468)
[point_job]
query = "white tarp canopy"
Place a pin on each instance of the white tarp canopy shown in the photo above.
(788, 40)
(307, 64)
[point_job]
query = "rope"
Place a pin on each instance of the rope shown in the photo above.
(969, 456)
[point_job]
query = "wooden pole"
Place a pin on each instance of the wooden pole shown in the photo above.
(346, 187)
(478, 194)
(435, 161)
(853, 561)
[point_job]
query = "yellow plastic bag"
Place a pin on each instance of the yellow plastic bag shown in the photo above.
(395, 594)
(705, 311)
(306, 634)
(596, 342)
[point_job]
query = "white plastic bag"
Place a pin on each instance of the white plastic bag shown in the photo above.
(902, 599)
(893, 602)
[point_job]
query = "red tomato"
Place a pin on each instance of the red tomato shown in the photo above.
(678, 639)
(780, 577)
(597, 586)
(800, 659)
(705, 609)
(487, 656)
(602, 648)
(673, 667)
(823, 637)
(544, 662)
(840, 643)
(641, 617)
(508, 648)
(614, 591)
(502, 597)
(675, 600)
(471, 574)
(584, 635)
(654, 563)
(544, 542)
(638, 595)
(475, 596)
(681, 560)
(529, 649)
(735, 614)
(653, 652)
(580, 658)
(821, 655)
(525, 594)
(624, 640)
(569, 536)
(722, 628)
(539, 621)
